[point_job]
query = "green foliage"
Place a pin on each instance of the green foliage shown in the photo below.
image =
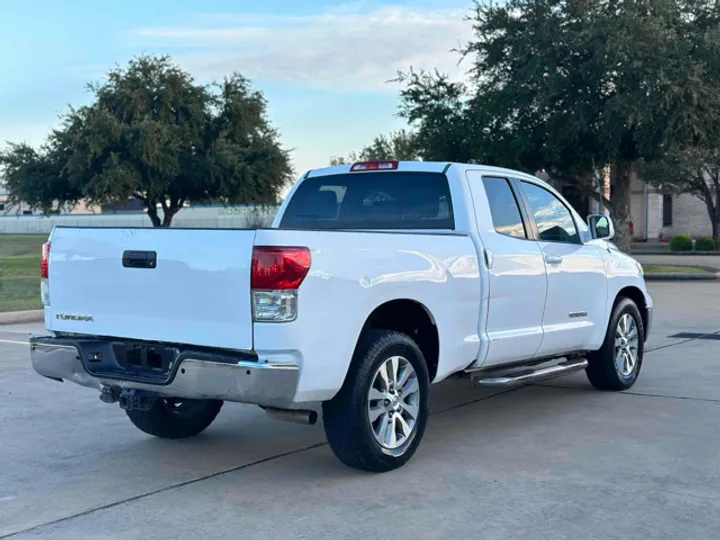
(399, 145)
(568, 86)
(704, 243)
(681, 242)
(438, 110)
(20, 271)
(155, 135)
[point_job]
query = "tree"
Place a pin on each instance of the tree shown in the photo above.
(572, 86)
(39, 177)
(400, 145)
(155, 135)
(695, 171)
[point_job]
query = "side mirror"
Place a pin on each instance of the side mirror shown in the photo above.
(601, 227)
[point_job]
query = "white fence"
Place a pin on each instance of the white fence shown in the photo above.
(212, 217)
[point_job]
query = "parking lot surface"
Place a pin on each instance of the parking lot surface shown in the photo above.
(556, 460)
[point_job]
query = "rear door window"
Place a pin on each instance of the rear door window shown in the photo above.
(378, 200)
(504, 208)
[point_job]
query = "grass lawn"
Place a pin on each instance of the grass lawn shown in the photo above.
(667, 269)
(20, 271)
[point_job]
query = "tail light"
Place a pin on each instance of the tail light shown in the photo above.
(45, 274)
(276, 274)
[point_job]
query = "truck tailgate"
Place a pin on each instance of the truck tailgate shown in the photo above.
(104, 282)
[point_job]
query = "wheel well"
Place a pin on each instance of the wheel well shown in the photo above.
(637, 296)
(413, 319)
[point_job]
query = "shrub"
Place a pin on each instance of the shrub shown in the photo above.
(704, 243)
(681, 242)
(258, 218)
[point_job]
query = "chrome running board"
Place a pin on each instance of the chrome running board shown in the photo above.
(492, 380)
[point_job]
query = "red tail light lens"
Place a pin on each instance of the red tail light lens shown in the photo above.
(45, 262)
(279, 268)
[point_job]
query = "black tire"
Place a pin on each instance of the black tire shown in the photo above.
(173, 418)
(347, 425)
(603, 371)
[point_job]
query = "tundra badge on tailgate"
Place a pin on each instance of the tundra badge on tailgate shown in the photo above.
(74, 317)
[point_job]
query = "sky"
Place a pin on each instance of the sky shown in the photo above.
(323, 66)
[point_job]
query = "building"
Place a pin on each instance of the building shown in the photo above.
(655, 216)
(659, 216)
(22, 209)
(6, 209)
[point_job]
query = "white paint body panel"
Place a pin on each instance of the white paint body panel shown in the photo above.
(353, 273)
(577, 284)
(200, 292)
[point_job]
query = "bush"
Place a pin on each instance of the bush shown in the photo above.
(681, 242)
(704, 243)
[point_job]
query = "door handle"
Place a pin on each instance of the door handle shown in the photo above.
(139, 259)
(488, 258)
(553, 259)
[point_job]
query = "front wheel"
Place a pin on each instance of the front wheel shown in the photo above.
(617, 364)
(176, 418)
(376, 421)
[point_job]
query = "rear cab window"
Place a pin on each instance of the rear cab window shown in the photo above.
(374, 200)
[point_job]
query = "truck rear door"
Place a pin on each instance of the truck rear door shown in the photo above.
(516, 271)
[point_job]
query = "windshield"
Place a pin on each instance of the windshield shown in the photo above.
(378, 200)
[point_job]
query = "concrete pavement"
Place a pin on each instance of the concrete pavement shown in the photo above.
(558, 460)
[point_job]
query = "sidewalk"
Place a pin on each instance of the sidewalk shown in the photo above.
(19, 317)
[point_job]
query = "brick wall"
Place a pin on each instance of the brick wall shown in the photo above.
(655, 214)
(689, 216)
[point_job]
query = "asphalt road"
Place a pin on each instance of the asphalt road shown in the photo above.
(553, 461)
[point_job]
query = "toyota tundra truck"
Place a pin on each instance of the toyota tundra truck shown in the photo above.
(375, 280)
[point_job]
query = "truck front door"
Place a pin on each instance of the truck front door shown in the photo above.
(575, 310)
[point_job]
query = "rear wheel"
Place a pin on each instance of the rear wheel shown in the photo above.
(617, 364)
(175, 418)
(377, 420)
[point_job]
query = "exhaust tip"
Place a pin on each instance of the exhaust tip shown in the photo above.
(298, 416)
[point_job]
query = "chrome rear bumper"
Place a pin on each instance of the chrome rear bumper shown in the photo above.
(271, 385)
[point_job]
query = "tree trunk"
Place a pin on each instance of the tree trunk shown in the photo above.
(624, 174)
(153, 214)
(167, 219)
(169, 210)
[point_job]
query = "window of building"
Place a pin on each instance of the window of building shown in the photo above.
(504, 208)
(667, 210)
(2, 207)
(554, 221)
(27, 212)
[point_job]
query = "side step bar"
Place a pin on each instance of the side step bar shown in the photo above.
(489, 380)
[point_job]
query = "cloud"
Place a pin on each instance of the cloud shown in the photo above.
(346, 48)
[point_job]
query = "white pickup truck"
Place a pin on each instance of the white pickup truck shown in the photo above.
(375, 280)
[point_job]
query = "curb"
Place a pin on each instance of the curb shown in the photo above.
(17, 317)
(709, 276)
